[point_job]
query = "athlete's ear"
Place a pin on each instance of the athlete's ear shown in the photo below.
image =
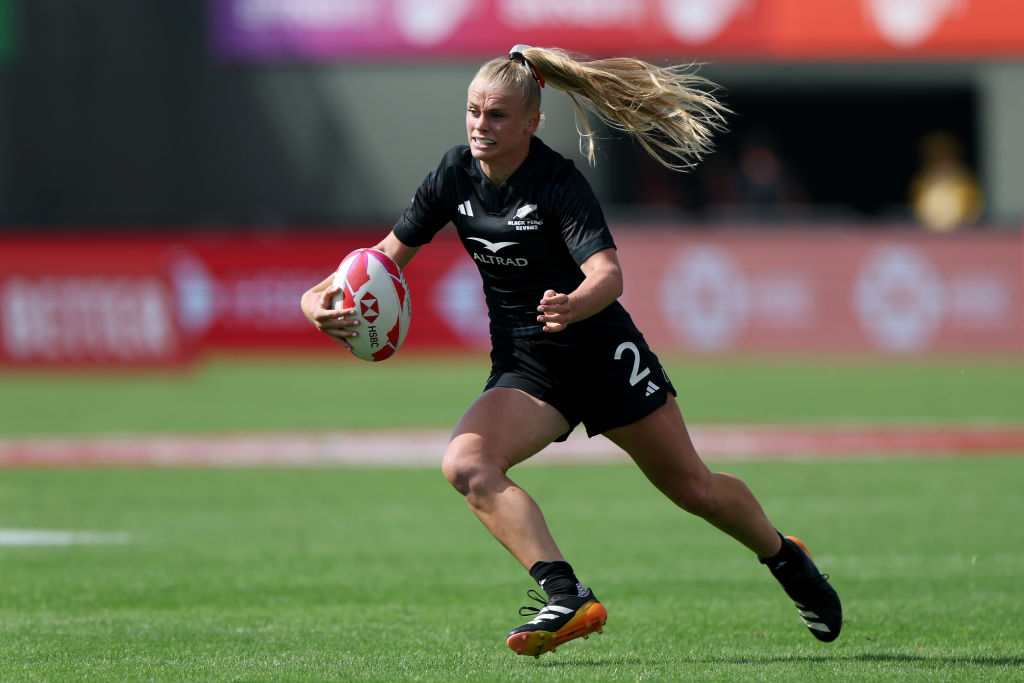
(533, 121)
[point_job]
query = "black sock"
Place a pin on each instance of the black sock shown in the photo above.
(556, 578)
(782, 562)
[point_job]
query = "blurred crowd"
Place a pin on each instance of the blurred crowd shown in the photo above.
(755, 180)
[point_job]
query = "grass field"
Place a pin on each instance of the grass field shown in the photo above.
(383, 574)
(329, 391)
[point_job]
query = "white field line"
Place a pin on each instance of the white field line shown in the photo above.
(425, 447)
(48, 537)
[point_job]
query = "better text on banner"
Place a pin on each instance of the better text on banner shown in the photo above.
(88, 302)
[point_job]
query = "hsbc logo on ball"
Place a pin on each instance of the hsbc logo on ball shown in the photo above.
(369, 309)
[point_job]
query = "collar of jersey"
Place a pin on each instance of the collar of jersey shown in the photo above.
(533, 158)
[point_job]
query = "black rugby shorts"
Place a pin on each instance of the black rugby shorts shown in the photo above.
(603, 382)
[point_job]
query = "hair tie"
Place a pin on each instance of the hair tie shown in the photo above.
(516, 54)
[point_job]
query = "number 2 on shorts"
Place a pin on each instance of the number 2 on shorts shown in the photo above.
(637, 374)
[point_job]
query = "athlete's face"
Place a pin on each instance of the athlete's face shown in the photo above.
(499, 126)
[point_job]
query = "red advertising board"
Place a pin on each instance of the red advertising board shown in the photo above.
(880, 29)
(259, 30)
(836, 291)
(115, 299)
(243, 291)
(88, 302)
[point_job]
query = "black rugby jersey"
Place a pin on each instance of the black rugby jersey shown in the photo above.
(526, 236)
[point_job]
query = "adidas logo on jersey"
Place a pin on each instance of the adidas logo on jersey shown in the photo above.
(651, 388)
(466, 209)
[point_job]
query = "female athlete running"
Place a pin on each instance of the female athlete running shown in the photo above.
(564, 351)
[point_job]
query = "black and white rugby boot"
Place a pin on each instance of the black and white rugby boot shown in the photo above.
(560, 619)
(815, 599)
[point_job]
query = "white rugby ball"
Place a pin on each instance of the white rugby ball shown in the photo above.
(373, 284)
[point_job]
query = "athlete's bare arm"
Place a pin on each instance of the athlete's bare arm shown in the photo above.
(602, 286)
(399, 252)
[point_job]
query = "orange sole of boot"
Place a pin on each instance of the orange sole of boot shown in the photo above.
(591, 617)
(801, 544)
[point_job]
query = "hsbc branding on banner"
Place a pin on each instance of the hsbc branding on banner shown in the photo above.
(87, 319)
(914, 297)
(322, 28)
(709, 301)
(698, 21)
(261, 15)
(330, 29)
(706, 298)
(573, 13)
(899, 299)
(908, 23)
(425, 23)
(979, 299)
(107, 300)
(902, 300)
(255, 301)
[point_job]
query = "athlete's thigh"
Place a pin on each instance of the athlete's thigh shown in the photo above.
(505, 426)
(660, 445)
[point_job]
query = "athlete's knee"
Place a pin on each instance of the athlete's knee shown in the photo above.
(695, 495)
(467, 469)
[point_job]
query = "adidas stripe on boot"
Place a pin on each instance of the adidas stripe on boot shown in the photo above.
(815, 599)
(560, 619)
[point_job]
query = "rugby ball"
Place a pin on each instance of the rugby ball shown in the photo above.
(372, 283)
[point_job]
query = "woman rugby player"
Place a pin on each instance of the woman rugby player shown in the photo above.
(564, 351)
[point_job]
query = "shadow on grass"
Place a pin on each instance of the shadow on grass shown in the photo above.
(552, 663)
(1015, 661)
(1012, 660)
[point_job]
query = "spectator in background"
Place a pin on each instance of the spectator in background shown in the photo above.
(944, 193)
(758, 184)
(767, 183)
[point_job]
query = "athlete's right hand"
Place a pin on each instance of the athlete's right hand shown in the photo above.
(335, 323)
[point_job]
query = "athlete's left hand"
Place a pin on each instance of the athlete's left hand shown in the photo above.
(555, 311)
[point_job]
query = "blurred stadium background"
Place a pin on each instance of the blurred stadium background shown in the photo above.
(174, 175)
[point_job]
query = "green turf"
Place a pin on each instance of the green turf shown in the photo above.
(295, 574)
(336, 391)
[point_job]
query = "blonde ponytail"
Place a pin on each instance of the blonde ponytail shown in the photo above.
(669, 110)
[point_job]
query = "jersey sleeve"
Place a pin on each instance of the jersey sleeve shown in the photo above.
(427, 213)
(583, 225)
